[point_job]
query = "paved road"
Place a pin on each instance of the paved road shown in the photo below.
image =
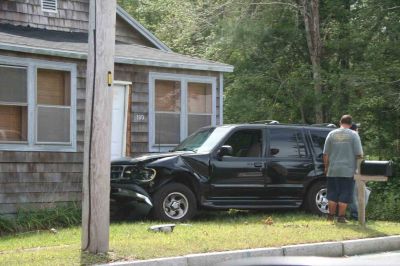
(387, 258)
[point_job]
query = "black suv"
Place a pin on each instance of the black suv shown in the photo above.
(251, 166)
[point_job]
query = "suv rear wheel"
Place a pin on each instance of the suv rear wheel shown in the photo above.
(174, 202)
(316, 198)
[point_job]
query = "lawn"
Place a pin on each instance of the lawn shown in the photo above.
(211, 232)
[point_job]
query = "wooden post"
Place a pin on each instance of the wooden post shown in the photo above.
(361, 201)
(361, 186)
(97, 146)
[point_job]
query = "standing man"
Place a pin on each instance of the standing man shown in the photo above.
(341, 150)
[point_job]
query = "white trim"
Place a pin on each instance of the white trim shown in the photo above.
(31, 145)
(127, 85)
(127, 101)
(184, 80)
(118, 59)
(121, 82)
(142, 30)
(221, 98)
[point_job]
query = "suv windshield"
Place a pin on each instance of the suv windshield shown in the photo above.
(203, 140)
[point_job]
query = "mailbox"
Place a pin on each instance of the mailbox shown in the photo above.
(382, 168)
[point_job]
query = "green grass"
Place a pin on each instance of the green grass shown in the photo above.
(215, 232)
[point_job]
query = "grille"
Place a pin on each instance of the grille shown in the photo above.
(116, 171)
(49, 5)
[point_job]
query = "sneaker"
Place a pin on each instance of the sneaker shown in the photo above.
(330, 218)
(342, 219)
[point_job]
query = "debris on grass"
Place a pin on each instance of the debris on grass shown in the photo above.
(268, 221)
(165, 228)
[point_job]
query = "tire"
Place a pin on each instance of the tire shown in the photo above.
(316, 198)
(174, 202)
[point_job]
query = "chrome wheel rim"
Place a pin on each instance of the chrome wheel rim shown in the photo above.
(175, 205)
(321, 200)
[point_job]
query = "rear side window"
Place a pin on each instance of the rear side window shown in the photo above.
(286, 143)
(318, 141)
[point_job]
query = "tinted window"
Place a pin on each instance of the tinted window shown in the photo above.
(318, 141)
(286, 143)
(246, 143)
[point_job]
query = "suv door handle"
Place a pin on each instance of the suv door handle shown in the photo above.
(258, 164)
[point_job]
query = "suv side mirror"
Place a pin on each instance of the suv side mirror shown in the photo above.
(224, 150)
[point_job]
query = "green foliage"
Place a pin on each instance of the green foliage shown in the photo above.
(42, 219)
(266, 43)
(384, 203)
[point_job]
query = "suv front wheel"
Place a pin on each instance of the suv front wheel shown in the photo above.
(316, 198)
(174, 202)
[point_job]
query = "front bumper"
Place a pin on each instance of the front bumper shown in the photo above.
(129, 198)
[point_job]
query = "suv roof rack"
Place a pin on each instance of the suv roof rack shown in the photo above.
(275, 122)
(324, 125)
(265, 122)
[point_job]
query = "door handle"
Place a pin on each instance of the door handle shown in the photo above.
(258, 164)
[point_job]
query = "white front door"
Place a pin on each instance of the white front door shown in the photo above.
(119, 112)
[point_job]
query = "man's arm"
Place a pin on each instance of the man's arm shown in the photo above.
(326, 163)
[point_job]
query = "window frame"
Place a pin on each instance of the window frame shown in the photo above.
(184, 79)
(32, 65)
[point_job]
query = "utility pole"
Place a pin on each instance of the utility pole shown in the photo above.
(97, 140)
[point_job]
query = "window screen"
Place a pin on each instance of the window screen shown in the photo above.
(53, 106)
(13, 104)
(168, 109)
(286, 143)
(13, 84)
(53, 124)
(167, 128)
(199, 106)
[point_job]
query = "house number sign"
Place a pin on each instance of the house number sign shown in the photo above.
(140, 117)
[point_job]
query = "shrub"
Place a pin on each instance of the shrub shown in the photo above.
(41, 219)
(384, 203)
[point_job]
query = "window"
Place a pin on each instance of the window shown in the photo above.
(246, 143)
(13, 103)
(168, 111)
(49, 5)
(318, 141)
(179, 106)
(199, 106)
(37, 105)
(286, 143)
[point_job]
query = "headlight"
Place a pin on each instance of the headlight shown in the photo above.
(142, 174)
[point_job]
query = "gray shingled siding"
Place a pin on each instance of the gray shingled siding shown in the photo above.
(72, 16)
(43, 179)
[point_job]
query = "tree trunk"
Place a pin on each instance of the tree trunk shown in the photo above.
(97, 149)
(311, 22)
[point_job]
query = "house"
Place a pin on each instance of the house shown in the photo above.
(159, 98)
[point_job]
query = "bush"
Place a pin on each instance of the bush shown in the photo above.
(41, 219)
(384, 203)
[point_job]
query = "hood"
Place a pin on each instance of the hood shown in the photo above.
(147, 157)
